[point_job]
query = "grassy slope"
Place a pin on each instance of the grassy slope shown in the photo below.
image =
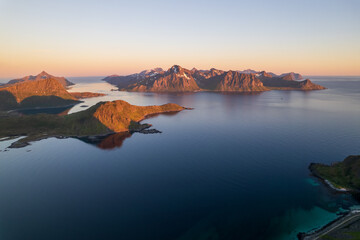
(342, 174)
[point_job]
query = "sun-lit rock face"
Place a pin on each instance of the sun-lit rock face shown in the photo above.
(308, 85)
(43, 75)
(119, 115)
(240, 82)
(39, 87)
(178, 79)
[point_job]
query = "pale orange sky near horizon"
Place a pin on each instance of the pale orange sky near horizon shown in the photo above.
(93, 38)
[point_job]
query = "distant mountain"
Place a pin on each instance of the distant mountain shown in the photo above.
(43, 75)
(248, 71)
(291, 76)
(178, 79)
(266, 74)
(279, 83)
(125, 81)
(230, 81)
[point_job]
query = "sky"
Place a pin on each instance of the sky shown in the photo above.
(99, 38)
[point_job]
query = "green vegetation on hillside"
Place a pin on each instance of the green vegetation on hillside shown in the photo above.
(345, 174)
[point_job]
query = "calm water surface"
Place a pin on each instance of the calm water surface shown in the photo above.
(235, 167)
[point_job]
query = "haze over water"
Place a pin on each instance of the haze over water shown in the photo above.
(235, 167)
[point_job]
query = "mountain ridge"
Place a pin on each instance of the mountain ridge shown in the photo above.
(178, 79)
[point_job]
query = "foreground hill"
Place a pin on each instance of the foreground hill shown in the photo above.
(41, 92)
(178, 79)
(342, 175)
(43, 75)
(101, 119)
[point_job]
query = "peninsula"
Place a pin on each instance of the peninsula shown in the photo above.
(104, 118)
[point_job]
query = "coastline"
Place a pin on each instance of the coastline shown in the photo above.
(336, 223)
(350, 216)
(327, 182)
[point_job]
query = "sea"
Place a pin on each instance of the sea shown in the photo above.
(234, 167)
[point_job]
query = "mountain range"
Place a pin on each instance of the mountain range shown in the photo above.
(178, 79)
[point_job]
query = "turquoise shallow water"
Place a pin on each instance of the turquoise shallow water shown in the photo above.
(235, 167)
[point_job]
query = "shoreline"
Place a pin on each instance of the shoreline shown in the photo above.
(327, 182)
(331, 226)
(336, 223)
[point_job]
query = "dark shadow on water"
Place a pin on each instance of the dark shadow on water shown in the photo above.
(61, 111)
(107, 142)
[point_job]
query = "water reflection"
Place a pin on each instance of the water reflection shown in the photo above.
(61, 111)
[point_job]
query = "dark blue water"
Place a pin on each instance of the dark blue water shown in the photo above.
(235, 167)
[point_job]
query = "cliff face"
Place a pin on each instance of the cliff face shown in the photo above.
(119, 116)
(40, 87)
(240, 82)
(176, 79)
(43, 75)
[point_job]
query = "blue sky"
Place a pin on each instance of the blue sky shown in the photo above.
(77, 38)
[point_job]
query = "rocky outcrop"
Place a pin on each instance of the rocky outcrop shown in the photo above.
(120, 116)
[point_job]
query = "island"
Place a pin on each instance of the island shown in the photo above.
(178, 79)
(102, 119)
